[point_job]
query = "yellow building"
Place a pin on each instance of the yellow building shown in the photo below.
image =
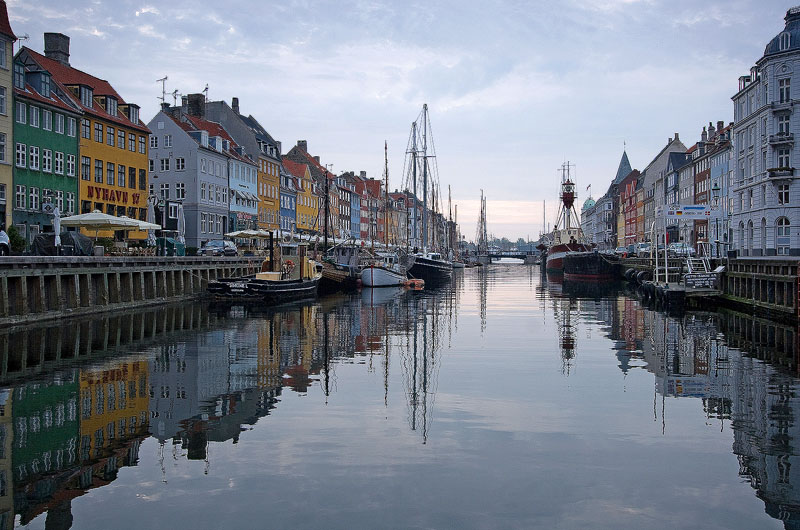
(7, 39)
(269, 353)
(114, 405)
(268, 193)
(307, 200)
(113, 142)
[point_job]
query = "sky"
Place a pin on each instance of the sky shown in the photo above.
(514, 88)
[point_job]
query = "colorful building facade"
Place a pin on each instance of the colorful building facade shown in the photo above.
(7, 39)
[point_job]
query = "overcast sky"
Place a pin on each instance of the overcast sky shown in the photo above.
(514, 88)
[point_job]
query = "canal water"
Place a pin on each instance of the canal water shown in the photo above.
(500, 401)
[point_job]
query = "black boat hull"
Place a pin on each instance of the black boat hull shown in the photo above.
(432, 271)
(590, 267)
(251, 289)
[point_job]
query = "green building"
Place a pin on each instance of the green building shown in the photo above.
(46, 146)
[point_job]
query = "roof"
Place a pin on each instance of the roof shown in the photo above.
(678, 160)
(54, 100)
(68, 76)
(5, 25)
(792, 29)
(195, 123)
(588, 203)
(624, 168)
(294, 168)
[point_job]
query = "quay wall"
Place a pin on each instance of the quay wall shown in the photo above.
(34, 289)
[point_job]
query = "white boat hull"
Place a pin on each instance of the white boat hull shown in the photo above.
(381, 277)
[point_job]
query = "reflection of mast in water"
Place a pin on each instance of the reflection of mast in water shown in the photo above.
(566, 335)
(482, 295)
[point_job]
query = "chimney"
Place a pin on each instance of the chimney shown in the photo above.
(197, 105)
(165, 106)
(704, 135)
(720, 125)
(302, 144)
(317, 159)
(711, 130)
(56, 47)
(184, 103)
(363, 174)
(676, 137)
(235, 105)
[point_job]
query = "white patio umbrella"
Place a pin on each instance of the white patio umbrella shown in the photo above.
(181, 225)
(99, 221)
(142, 225)
(151, 218)
(57, 226)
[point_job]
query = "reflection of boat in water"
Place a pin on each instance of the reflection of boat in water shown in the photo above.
(386, 295)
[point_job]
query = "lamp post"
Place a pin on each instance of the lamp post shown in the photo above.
(715, 191)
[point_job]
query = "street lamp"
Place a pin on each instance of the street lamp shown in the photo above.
(715, 191)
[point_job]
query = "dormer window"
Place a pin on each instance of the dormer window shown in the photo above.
(19, 76)
(133, 114)
(45, 85)
(111, 105)
(87, 96)
(785, 41)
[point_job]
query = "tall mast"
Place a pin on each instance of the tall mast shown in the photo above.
(425, 177)
(327, 198)
(386, 193)
(414, 178)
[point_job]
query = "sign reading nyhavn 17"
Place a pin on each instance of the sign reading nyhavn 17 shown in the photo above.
(105, 194)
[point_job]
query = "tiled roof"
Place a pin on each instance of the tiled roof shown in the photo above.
(294, 168)
(67, 76)
(53, 100)
(5, 25)
(213, 128)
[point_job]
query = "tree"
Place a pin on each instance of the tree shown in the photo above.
(17, 241)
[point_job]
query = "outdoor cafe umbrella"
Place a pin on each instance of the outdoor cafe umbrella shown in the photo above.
(151, 218)
(142, 225)
(57, 226)
(99, 221)
(181, 225)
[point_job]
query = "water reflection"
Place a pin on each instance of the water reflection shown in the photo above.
(78, 401)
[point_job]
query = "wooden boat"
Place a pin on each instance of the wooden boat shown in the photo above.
(431, 267)
(384, 271)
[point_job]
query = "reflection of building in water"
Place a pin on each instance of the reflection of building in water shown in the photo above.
(6, 461)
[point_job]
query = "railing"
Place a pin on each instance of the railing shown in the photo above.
(780, 172)
(781, 138)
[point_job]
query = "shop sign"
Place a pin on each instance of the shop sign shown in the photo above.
(105, 194)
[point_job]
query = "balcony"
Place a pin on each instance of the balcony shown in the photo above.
(781, 138)
(780, 173)
(778, 106)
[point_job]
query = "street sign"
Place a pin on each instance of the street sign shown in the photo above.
(685, 211)
(48, 207)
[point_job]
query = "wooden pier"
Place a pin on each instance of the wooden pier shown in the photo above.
(43, 288)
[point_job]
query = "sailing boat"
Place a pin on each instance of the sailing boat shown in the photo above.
(429, 266)
(386, 270)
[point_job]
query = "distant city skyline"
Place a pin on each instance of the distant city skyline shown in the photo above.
(514, 89)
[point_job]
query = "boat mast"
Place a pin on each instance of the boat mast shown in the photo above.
(414, 177)
(386, 193)
(327, 198)
(425, 178)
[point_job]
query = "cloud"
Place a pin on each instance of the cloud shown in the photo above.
(147, 10)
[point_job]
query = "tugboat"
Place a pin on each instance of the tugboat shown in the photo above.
(567, 236)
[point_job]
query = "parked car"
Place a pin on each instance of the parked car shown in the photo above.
(681, 250)
(643, 250)
(218, 247)
(620, 251)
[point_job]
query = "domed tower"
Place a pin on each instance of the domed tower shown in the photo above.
(766, 134)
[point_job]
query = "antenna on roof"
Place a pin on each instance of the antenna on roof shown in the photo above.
(205, 91)
(163, 82)
(175, 95)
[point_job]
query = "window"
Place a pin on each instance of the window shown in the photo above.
(164, 191)
(60, 200)
(70, 165)
(132, 178)
(142, 179)
(152, 165)
(785, 41)
(22, 112)
(98, 171)
(165, 164)
(202, 222)
(782, 236)
(783, 194)
(120, 138)
(72, 125)
(180, 190)
(111, 106)
(86, 128)
(121, 175)
(153, 141)
(20, 201)
(86, 168)
(87, 96)
(142, 145)
(202, 191)
(783, 124)
(22, 155)
(33, 157)
(3, 107)
(70, 202)
(47, 120)
(19, 74)
(132, 143)
(110, 173)
(47, 161)
(133, 114)
(784, 90)
(98, 132)
(173, 211)
(2, 147)
(167, 140)
(34, 198)
(180, 164)
(34, 116)
(59, 123)
(110, 135)
(59, 169)
(203, 165)
(783, 158)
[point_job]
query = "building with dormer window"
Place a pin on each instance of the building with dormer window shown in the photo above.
(7, 39)
(765, 192)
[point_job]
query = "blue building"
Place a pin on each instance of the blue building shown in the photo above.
(288, 201)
